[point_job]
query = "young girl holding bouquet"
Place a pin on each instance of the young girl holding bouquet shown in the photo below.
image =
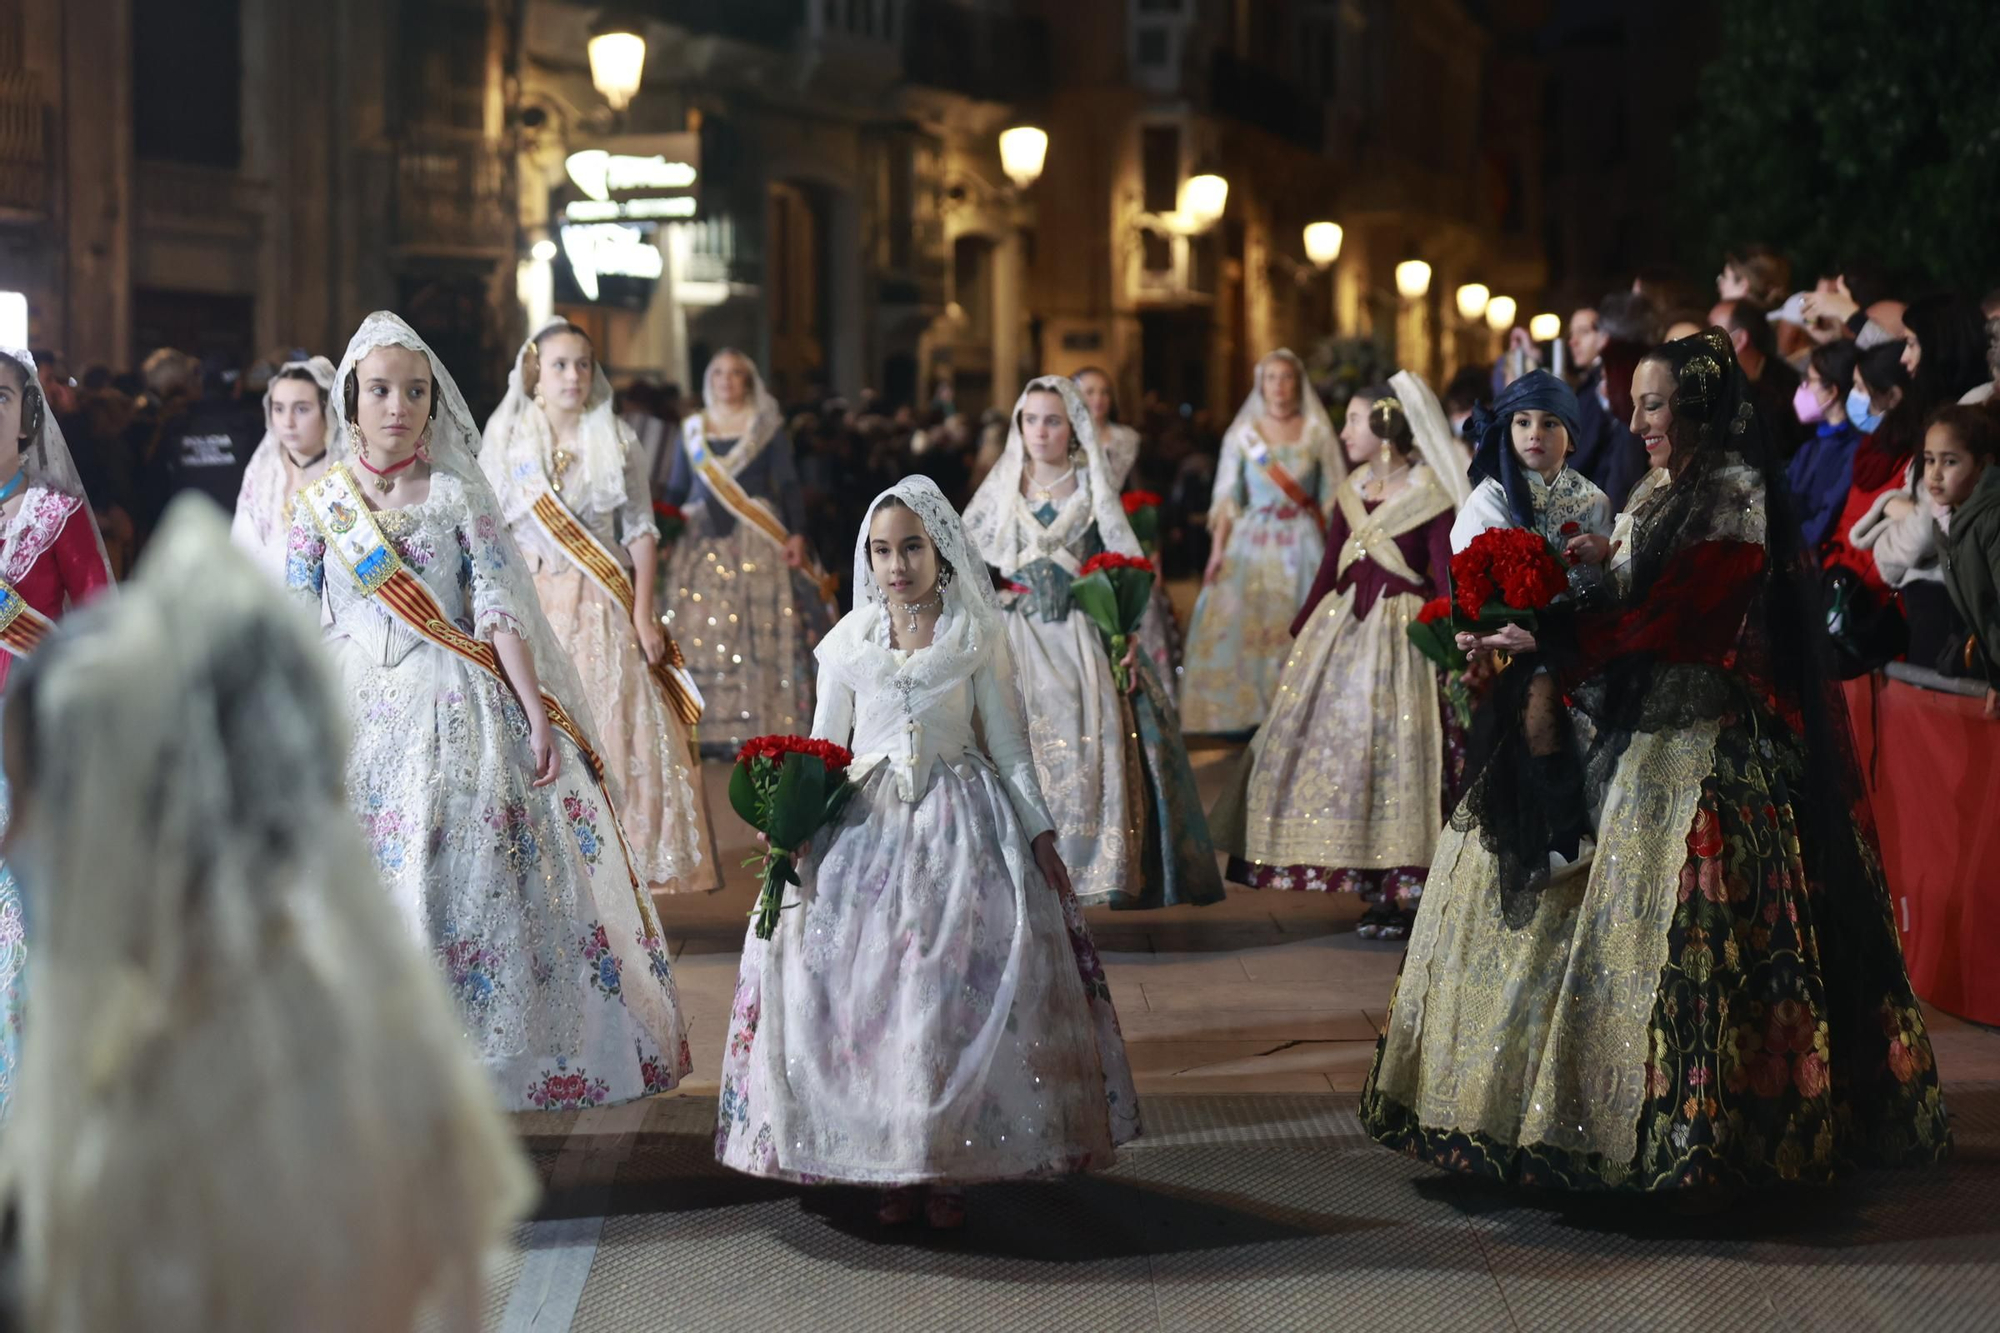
(931, 1013)
(1109, 751)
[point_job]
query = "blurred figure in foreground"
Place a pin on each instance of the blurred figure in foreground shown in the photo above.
(240, 1079)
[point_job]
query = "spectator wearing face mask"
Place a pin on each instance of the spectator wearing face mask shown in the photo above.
(1822, 472)
(1884, 461)
(1772, 382)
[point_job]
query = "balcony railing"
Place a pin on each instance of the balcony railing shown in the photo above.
(453, 194)
(24, 144)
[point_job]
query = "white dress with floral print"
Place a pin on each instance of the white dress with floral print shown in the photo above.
(524, 895)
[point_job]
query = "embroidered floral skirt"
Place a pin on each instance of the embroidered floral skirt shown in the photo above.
(13, 968)
(1346, 785)
(1664, 1020)
(1241, 631)
(523, 895)
(932, 1012)
(643, 742)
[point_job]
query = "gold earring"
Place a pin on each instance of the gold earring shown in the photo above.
(357, 440)
(424, 444)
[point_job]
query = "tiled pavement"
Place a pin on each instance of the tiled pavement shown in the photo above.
(1253, 1202)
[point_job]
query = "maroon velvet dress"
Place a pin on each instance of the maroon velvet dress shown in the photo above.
(1357, 766)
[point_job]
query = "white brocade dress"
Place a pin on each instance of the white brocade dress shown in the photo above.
(523, 895)
(933, 1012)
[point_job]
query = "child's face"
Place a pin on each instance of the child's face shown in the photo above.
(900, 553)
(1045, 428)
(1355, 434)
(1950, 469)
(1540, 441)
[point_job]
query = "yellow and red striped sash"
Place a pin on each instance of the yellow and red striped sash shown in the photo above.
(602, 568)
(1260, 454)
(748, 509)
(22, 627)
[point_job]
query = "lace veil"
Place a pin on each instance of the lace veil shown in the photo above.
(1436, 444)
(454, 450)
(999, 522)
(46, 460)
(769, 417)
(321, 371)
(241, 1076)
(856, 652)
(519, 446)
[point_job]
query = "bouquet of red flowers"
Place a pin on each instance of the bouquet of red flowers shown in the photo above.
(787, 788)
(1504, 577)
(1112, 590)
(1143, 508)
(671, 520)
(1434, 637)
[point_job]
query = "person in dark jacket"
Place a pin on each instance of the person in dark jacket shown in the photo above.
(207, 447)
(1822, 472)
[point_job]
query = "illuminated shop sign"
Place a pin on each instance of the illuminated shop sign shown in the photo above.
(610, 250)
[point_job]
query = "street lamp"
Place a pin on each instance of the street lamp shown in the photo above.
(617, 61)
(1472, 299)
(1545, 328)
(1323, 243)
(1500, 312)
(1023, 150)
(1413, 279)
(1202, 200)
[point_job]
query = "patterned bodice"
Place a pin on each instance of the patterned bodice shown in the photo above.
(450, 548)
(1046, 582)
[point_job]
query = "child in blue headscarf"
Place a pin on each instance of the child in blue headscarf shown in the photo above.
(1519, 462)
(1520, 469)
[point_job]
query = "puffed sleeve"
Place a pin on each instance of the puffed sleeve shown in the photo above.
(833, 715)
(1486, 508)
(1222, 501)
(79, 564)
(305, 556)
(489, 552)
(635, 520)
(996, 700)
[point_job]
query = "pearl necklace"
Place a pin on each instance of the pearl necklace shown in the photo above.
(1047, 494)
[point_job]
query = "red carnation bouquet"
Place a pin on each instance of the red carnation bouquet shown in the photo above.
(671, 520)
(1504, 577)
(1143, 508)
(787, 788)
(1112, 590)
(1434, 637)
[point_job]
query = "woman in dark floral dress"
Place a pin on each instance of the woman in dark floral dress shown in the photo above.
(1718, 997)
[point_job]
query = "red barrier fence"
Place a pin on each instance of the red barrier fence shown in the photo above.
(1932, 762)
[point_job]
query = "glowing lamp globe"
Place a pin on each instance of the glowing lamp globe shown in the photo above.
(1413, 279)
(617, 61)
(1545, 328)
(1323, 243)
(1203, 199)
(1472, 299)
(1023, 150)
(1500, 312)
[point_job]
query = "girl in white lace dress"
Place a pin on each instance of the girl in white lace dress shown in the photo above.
(298, 432)
(932, 1012)
(488, 826)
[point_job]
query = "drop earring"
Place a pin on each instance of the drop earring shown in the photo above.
(357, 441)
(424, 445)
